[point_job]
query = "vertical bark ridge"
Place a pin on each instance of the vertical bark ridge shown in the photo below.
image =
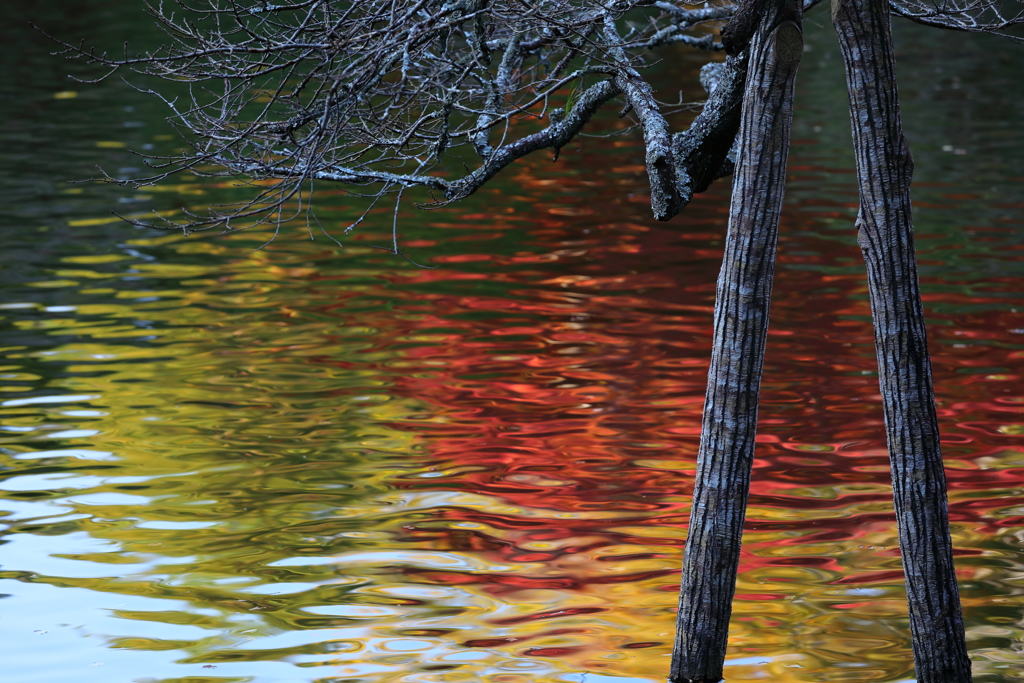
(740, 328)
(885, 234)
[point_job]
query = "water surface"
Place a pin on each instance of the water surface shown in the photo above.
(312, 464)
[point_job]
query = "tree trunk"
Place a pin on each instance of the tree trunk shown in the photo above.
(886, 236)
(740, 326)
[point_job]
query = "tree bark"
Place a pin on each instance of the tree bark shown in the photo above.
(740, 327)
(886, 236)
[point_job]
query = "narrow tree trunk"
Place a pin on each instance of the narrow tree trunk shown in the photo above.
(886, 236)
(740, 326)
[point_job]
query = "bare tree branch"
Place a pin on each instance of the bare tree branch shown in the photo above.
(974, 16)
(379, 96)
(386, 95)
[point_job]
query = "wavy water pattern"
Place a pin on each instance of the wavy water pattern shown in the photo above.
(312, 464)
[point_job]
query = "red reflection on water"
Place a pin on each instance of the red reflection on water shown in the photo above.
(575, 399)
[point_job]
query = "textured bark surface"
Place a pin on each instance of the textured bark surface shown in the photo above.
(737, 33)
(741, 322)
(885, 233)
(701, 150)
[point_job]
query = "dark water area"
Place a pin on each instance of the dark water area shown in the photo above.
(310, 464)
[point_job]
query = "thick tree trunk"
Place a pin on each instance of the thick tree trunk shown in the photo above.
(740, 326)
(886, 237)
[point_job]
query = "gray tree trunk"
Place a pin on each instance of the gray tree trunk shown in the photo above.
(886, 236)
(740, 327)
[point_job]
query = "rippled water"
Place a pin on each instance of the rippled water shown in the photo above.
(310, 464)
